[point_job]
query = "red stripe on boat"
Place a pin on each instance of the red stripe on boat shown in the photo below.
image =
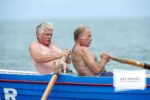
(60, 83)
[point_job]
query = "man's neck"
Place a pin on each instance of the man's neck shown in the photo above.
(44, 44)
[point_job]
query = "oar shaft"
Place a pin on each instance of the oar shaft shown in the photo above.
(131, 62)
(49, 87)
(53, 80)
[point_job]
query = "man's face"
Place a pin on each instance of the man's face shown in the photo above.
(86, 38)
(46, 37)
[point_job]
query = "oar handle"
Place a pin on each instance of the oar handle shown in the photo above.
(63, 59)
(131, 62)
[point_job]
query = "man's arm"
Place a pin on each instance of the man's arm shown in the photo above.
(66, 53)
(91, 63)
(39, 57)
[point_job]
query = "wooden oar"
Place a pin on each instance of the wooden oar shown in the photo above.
(50, 86)
(52, 80)
(131, 62)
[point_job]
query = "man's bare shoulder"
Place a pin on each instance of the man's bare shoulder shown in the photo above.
(84, 49)
(34, 49)
(34, 45)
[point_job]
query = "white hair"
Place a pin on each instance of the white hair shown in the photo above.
(42, 26)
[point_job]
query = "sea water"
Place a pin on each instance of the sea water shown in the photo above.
(124, 38)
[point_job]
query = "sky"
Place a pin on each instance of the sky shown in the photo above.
(73, 9)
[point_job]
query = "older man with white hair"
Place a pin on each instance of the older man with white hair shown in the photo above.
(45, 54)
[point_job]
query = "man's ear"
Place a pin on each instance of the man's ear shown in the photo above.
(80, 36)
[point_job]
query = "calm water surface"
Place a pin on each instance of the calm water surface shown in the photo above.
(127, 38)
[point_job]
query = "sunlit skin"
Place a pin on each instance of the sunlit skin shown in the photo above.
(83, 60)
(46, 37)
(86, 38)
(45, 54)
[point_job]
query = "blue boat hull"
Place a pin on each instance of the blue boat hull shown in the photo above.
(67, 87)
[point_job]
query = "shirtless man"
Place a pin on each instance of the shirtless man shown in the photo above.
(83, 60)
(44, 53)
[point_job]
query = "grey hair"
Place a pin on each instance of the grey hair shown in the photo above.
(80, 30)
(42, 26)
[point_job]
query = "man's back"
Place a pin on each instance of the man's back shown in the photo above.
(82, 58)
(79, 63)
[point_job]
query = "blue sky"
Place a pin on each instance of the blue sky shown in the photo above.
(68, 9)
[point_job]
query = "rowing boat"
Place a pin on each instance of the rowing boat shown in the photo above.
(18, 85)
